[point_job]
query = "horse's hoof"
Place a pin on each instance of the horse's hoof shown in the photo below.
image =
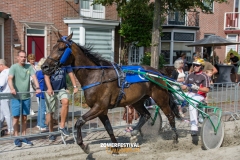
(134, 133)
(85, 148)
(175, 141)
(133, 139)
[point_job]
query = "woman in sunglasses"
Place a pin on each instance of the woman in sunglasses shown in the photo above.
(200, 83)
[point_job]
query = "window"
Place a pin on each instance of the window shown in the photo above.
(93, 11)
(166, 36)
(76, 33)
(165, 51)
(179, 48)
(85, 4)
(183, 36)
(135, 55)
(97, 7)
(171, 16)
(102, 42)
(35, 31)
(208, 4)
(176, 18)
(233, 38)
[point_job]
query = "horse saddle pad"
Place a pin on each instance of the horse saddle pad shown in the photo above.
(133, 77)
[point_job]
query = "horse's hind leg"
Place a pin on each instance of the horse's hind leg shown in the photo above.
(144, 116)
(105, 120)
(169, 114)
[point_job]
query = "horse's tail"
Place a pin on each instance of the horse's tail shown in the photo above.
(173, 105)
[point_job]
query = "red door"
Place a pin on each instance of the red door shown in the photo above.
(35, 45)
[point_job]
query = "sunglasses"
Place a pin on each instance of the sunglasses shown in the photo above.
(197, 65)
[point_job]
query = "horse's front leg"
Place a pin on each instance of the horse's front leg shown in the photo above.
(91, 114)
(105, 120)
(78, 125)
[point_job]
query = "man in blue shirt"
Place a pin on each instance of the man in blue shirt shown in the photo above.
(57, 82)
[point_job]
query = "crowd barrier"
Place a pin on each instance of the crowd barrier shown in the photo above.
(77, 108)
(222, 95)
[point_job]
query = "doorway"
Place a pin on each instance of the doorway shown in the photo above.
(35, 45)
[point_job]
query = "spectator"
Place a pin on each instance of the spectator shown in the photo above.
(214, 59)
(209, 73)
(196, 56)
(31, 60)
(183, 58)
(199, 82)
(234, 60)
(178, 75)
(42, 106)
(129, 114)
(58, 82)
(5, 113)
(205, 56)
(18, 81)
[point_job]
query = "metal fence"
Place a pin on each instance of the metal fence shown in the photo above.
(222, 95)
(77, 108)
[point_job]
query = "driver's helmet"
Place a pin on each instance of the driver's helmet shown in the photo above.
(199, 61)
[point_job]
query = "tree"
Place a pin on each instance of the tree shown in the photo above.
(137, 17)
(162, 7)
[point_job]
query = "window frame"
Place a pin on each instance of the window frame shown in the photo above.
(131, 54)
(236, 46)
(206, 4)
(91, 12)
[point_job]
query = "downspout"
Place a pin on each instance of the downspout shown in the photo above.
(11, 35)
(120, 45)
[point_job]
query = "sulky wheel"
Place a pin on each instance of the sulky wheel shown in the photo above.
(210, 140)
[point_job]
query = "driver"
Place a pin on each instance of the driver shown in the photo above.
(200, 84)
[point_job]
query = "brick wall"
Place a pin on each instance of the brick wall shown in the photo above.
(44, 11)
(214, 24)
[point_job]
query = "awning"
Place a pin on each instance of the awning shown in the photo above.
(4, 15)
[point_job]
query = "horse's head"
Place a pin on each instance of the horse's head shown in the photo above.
(61, 55)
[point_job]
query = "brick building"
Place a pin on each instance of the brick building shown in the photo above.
(31, 25)
(220, 23)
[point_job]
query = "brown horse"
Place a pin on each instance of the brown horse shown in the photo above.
(102, 92)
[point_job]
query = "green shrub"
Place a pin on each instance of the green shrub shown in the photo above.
(146, 60)
(235, 53)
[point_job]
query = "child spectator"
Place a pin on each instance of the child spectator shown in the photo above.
(31, 60)
(42, 106)
(130, 114)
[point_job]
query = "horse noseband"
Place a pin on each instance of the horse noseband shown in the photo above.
(65, 55)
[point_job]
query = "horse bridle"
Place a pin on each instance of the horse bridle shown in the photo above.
(57, 64)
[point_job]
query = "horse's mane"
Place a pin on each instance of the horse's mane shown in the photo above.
(96, 58)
